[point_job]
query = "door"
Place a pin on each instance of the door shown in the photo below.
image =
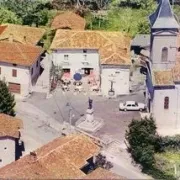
(14, 88)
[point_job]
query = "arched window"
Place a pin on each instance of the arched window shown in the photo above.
(164, 55)
(166, 102)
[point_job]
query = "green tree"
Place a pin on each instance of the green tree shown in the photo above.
(143, 27)
(144, 141)
(7, 102)
(7, 16)
(31, 12)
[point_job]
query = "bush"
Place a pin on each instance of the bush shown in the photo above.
(170, 143)
(144, 143)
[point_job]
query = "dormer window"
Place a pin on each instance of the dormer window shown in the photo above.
(164, 55)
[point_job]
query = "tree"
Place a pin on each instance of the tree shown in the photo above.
(31, 12)
(102, 162)
(7, 16)
(143, 141)
(143, 27)
(7, 102)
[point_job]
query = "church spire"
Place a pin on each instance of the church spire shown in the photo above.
(163, 17)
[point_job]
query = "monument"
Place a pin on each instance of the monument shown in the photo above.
(90, 123)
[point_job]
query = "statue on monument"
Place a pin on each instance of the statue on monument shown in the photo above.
(90, 103)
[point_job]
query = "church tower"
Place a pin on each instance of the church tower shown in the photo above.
(164, 32)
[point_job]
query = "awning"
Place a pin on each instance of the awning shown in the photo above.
(66, 77)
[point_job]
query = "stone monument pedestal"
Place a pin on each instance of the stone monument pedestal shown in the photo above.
(90, 123)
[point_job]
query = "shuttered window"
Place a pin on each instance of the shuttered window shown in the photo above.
(14, 73)
(166, 102)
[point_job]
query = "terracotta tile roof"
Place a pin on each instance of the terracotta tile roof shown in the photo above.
(9, 126)
(22, 34)
(2, 28)
(68, 20)
(163, 78)
(61, 158)
(114, 47)
(21, 54)
(100, 173)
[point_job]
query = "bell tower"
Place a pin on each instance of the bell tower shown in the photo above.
(164, 36)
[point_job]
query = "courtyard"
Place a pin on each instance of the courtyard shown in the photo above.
(55, 111)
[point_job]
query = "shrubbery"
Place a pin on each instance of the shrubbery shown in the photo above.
(144, 143)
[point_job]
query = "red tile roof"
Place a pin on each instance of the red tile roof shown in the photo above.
(68, 20)
(21, 54)
(59, 159)
(2, 28)
(114, 47)
(9, 126)
(23, 34)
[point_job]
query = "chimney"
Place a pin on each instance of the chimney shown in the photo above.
(33, 156)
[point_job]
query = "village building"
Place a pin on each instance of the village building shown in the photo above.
(19, 66)
(63, 158)
(68, 20)
(21, 34)
(163, 68)
(9, 139)
(105, 55)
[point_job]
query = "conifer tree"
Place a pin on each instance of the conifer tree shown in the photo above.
(7, 101)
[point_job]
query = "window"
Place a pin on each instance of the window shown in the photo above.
(164, 55)
(32, 71)
(14, 73)
(37, 63)
(166, 102)
(66, 57)
(14, 64)
(84, 51)
(85, 57)
(5, 148)
(129, 105)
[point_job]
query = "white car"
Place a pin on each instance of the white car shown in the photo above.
(132, 106)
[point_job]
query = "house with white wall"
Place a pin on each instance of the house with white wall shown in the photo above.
(19, 66)
(163, 68)
(96, 52)
(9, 139)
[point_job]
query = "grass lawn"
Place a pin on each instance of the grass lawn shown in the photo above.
(169, 162)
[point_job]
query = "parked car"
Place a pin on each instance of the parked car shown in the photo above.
(132, 106)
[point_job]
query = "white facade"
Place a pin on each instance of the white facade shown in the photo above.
(7, 150)
(119, 78)
(77, 59)
(165, 117)
(25, 75)
(163, 40)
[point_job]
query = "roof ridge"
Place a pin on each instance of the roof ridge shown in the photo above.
(41, 157)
